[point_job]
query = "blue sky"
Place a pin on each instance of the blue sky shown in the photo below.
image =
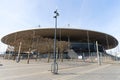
(99, 15)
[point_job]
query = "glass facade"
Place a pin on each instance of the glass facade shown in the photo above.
(85, 48)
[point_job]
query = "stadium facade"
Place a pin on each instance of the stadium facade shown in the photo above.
(71, 43)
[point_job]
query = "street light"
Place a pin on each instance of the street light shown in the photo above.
(54, 67)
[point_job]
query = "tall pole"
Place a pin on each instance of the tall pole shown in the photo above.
(55, 65)
(88, 40)
(28, 56)
(98, 56)
(18, 57)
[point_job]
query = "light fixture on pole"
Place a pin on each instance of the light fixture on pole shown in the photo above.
(54, 67)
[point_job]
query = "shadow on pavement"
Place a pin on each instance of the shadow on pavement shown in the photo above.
(1, 64)
(67, 74)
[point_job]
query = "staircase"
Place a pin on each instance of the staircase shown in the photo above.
(72, 54)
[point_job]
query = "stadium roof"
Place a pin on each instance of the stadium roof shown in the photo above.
(79, 35)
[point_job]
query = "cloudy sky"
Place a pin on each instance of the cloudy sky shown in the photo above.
(99, 15)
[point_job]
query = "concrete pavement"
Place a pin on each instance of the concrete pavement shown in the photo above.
(68, 70)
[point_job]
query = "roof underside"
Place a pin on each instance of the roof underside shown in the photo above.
(78, 35)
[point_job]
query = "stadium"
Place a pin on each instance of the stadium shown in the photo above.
(71, 43)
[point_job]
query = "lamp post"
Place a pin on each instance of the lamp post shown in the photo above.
(54, 67)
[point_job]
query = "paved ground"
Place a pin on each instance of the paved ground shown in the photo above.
(68, 70)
